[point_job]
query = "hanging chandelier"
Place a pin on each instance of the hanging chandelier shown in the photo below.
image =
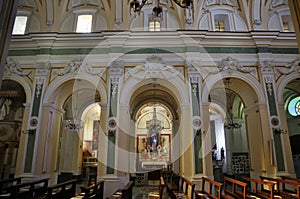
(137, 5)
(230, 124)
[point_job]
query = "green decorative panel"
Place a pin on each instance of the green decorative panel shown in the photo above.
(271, 99)
(29, 151)
(36, 103)
(279, 152)
(198, 152)
(111, 152)
(164, 50)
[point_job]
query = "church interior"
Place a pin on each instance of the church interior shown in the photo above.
(126, 93)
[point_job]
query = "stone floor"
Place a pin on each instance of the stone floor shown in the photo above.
(142, 192)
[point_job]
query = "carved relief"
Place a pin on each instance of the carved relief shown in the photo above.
(78, 65)
(222, 2)
(12, 67)
(292, 67)
(153, 68)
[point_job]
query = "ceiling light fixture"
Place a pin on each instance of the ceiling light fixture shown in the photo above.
(137, 5)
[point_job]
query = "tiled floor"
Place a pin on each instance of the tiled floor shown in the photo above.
(141, 192)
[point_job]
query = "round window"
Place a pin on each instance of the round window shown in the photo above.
(294, 106)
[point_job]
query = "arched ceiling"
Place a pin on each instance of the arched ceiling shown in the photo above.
(51, 14)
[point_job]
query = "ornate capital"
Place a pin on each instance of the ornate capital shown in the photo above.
(43, 68)
(267, 67)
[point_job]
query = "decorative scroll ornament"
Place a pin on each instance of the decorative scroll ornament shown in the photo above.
(115, 73)
(153, 68)
(72, 67)
(230, 65)
(78, 65)
(292, 67)
(194, 77)
(39, 84)
(12, 67)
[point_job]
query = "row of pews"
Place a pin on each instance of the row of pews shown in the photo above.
(247, 188)
(15, 188)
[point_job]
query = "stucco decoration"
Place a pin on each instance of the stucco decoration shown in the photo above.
(12, 68)
(27, 3)
(267, 66)
(231, 65)
(153, 68)
(276, 3)
(78, 65)
(290, 68)
(115, 73)
(74, 3)
(221, 2)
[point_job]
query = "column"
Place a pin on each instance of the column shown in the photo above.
(195, 90)
(8, 10)
(34, 130)
(115, 73)
(268, 77)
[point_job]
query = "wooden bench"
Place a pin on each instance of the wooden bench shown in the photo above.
(6, 184)
(234, 189)
(214, 189)
(186, 190)
(125, 192)
(29, 190)
(64, 190)
(159, 193)
(261, 189)
(173, 183)
(286, 188)
(93, 191)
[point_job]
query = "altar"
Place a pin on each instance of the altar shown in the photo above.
(153, 147)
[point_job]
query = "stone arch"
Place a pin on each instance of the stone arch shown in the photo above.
(25, 84)
(177, 86)
(282, 84)
(98, 83)
(251, 81)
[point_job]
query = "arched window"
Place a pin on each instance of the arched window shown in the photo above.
(294, 106)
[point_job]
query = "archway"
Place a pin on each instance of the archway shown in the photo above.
(12, 98)
(291, 97)
(79, 127)
(230, 134)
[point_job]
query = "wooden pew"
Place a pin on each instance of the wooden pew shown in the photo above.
(234, 189)
(29, 190)
(159, 193)
(186, 190)
(63, 190)
(125, 192)
(261, 189)
(7, 183)
(213, 186)
(93, 191)
(173, 183)
(288, 188)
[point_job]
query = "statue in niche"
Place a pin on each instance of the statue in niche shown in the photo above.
(154, 127)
